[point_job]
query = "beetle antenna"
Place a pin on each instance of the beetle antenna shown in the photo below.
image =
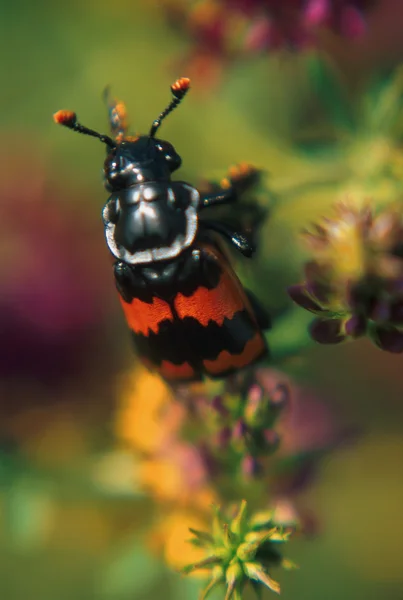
(117, 115)
(179, 90)
(69, 119)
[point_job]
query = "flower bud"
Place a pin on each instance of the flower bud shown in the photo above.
(256, 405)
(217, 404)
(251, 467)
(223, 437)
(271, 440)
(239, 434)
(280, 396)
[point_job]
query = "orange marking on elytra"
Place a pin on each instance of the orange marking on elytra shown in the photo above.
(172, 372)
(226, 361)
(143, 317)
(215, 305)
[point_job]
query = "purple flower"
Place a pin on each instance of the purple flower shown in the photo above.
(223, 30)
(251, 467)
(354, 283)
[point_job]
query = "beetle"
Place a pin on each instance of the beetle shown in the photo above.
(188, 312)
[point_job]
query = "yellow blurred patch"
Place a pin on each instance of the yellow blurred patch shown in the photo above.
(161, 478)
(165, 480)
(174, 534)
(138, 422)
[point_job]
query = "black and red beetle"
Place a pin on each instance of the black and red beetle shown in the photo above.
(187, 310)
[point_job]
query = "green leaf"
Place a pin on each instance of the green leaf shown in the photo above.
(228, 537)
(203, 564)
(237, 595)
(289, 565)
(203, 537)
(217, 524)
(238, 522)
(382, 104)
(256, 572)
(290, 335)
(330, 92)
(210, 587)
(247, 550)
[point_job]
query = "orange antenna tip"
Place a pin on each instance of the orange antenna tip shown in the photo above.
(65, 117)
(180, 87)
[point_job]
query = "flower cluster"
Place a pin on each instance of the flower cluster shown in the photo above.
(196, 448)
(354, 284)
(239, 550)
(239, 426)
(222, 30)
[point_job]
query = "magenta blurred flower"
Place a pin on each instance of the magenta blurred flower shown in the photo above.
(52, 273)
(307, 432)
(223, 30)
(293, 24)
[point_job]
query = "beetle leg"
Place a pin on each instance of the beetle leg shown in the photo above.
(239, 179)
(220, 197)
(236, 238)
(126, 280)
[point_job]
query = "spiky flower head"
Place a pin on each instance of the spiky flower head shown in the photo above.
(354, 284)
(241, 550)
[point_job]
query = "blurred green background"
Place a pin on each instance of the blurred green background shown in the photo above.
(71, 516)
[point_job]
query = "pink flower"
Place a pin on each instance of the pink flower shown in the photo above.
(221, 31)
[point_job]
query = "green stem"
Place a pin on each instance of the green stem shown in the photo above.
(290, 335)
